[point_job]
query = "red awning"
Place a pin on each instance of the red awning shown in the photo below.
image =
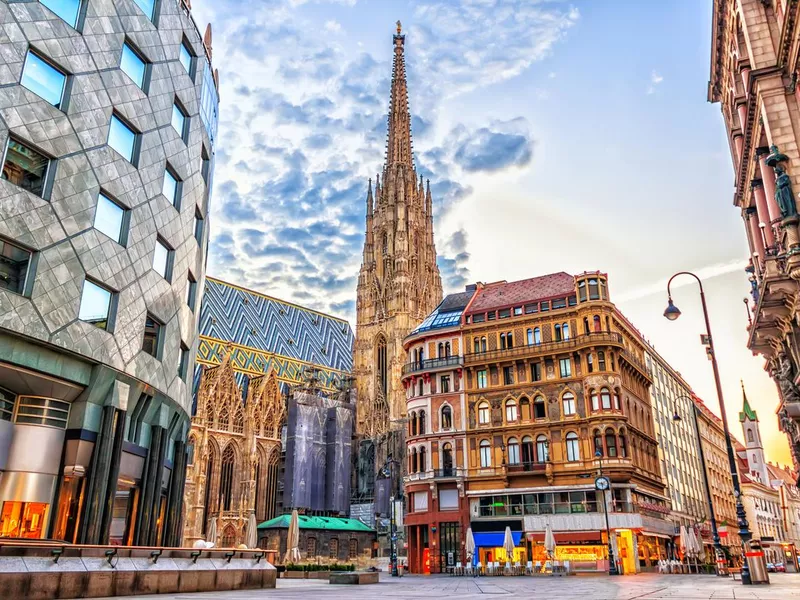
(568, 537)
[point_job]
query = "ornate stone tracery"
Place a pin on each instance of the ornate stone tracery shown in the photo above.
(236, 450)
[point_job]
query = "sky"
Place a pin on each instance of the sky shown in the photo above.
(557, 136)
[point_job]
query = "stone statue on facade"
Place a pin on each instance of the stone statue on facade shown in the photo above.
(784, 195)
(785, 376)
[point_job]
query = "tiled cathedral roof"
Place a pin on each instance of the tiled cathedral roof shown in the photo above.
(267, 332)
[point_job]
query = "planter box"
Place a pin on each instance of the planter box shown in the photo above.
(318, 574)
(353, 578)
(294, 575)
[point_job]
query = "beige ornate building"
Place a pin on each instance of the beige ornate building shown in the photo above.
(233, 471)
(399, 282)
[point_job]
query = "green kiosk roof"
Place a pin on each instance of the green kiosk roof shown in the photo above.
(329, 523)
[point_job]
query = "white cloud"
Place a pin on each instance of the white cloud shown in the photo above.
(660, 287)
(655, 79)
(333, 26)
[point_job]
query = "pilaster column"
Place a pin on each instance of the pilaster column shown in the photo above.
(746, 81)
(768, 180)
(751, 218)
(738, 147)
(764, 219)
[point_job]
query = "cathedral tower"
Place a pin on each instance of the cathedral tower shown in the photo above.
(399, 282)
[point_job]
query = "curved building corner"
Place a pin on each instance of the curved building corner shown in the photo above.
(108, 118)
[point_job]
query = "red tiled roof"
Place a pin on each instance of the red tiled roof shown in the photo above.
(515, 293)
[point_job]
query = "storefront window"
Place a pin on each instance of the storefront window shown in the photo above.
(23, 519)
(162, 515)
(123, 515)
(69, 507)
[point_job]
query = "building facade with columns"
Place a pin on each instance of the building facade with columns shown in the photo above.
(557, 391)
(754, 73)
(108, 127)
(437, 515)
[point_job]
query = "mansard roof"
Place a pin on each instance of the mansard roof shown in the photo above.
(267, 325)
(447, 314)
(327, 523)
(504, 293)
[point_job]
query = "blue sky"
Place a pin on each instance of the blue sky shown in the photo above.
(557, 136)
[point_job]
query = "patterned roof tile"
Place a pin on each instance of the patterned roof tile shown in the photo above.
(497, 295)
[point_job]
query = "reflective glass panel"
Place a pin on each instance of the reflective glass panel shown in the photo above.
(147, 7)
(43, 79)
(161, 259)
(25, 167)
(68, 10)
(152, 334)
(170, 187)
(108, 217)
(95, 304)
(14, 263)
(121, 138)
(132, 64)
(185, 57)
(178, 119)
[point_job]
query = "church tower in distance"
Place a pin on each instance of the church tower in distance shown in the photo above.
(399, 282)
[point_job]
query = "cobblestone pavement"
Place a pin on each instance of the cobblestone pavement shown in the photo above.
(784, 586)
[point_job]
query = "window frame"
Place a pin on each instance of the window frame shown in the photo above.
(167, 275)
(30, 271)
(512, 414)
(191, 291)
(482, 377)
(137, 138)
(153, 17)
(186, 45)
(573, 447)
(124, 226)
(159, 345)
(484, 409)
(79, 17)
(199, 226)
(565, 373)
(184, 134)
(485, 454)
(176, 201)
(50, 172)
(111, 313)
(66, 87)
(148, 66)
(183, 361)
(568, 399)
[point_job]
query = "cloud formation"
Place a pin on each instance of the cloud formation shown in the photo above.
(655, 79)
(303, 126)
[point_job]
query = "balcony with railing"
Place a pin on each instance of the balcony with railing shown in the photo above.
(432, 364)
(446, 473)
(580, 341)
(631, 359)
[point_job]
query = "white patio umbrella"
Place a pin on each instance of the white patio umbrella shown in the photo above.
(549, 540)
(252, 533)
(508, 546)
(683, 542)
(211, 538)
(469, 545)
(293, 539)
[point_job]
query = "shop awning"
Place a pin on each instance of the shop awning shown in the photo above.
(494, 539)
(658, 535)
(568, 537)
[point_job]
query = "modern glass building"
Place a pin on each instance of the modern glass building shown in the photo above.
(107, 126)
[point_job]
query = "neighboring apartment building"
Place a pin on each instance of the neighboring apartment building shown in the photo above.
(554, 375)
(678, 442)
(437, 515)
(718, 470)
(754, 71)
(108, 122)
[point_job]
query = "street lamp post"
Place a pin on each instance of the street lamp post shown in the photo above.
(603, 484)
(673, 313)
(714, 531)
(388, 472)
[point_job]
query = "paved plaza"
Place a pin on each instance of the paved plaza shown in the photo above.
(640, 587)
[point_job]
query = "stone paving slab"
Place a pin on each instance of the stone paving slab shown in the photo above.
(784, 586)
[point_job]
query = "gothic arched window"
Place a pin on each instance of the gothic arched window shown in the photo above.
(382, 371)
(227, 469)
(385, 243)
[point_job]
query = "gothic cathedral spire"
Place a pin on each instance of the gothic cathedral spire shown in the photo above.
(399, 282)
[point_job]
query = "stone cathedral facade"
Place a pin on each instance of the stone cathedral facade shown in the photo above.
(399, 282)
